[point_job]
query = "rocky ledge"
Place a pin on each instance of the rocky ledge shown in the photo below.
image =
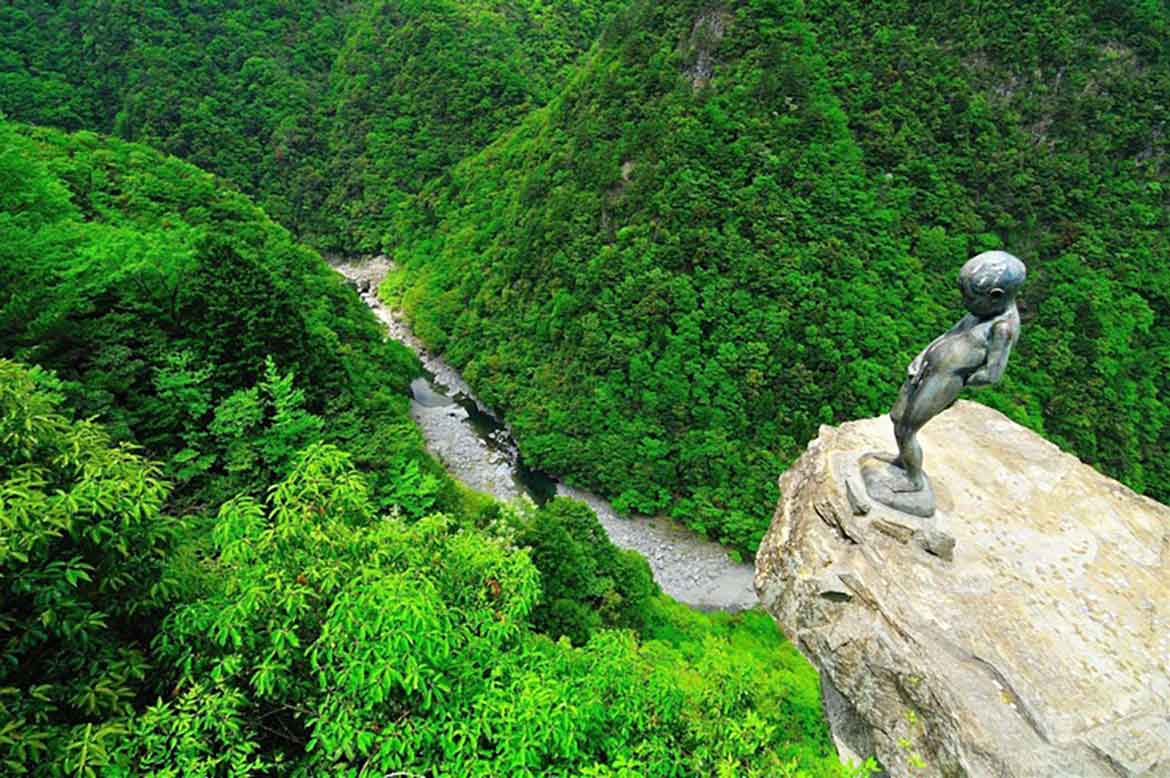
(1037, 645)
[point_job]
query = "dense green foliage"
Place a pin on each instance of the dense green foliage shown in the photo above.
(83, 540)
(735, 225)
(327, 112)
(666, 261)
(729, 225)
(297, 588)
(1046, 129)
(345, 641)
(164, 301)
(588, 581)
(309, 634)
(420, 85)
(725, 229)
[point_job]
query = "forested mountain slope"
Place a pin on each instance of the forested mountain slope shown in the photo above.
(233, 87)
(246, 564)
(181, 316)
(326, 111)
(738, 222)
(418, 86)
(224, 548)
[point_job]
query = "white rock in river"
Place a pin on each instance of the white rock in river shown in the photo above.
(1041, 650)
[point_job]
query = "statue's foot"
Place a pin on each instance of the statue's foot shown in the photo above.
(890, 485)
(902, 479)
(893, 475)
(913, 483)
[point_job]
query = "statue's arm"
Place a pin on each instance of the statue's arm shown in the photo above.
(999, 348)
(915, 367)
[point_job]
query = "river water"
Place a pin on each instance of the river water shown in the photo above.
(477, 448)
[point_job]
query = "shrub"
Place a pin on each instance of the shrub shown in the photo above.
(587, 581)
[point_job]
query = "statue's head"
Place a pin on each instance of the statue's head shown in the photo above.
(989, 282)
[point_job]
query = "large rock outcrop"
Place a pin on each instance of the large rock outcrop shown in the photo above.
(1040, 649)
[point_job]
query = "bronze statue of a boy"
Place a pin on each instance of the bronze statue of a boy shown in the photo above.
(972, 353)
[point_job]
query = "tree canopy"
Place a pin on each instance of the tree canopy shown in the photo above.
(309, 632)
(224, 550)
(328, 113)
(735, 225)
(667, 240)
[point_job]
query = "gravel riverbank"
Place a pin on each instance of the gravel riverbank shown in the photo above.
(687, 567)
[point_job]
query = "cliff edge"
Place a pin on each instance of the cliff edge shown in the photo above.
(1036, 645)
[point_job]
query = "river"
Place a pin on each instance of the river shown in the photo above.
(477, 448)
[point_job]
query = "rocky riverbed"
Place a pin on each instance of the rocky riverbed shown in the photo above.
(477, 448)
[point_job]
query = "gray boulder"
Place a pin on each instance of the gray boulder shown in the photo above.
(1022, 632)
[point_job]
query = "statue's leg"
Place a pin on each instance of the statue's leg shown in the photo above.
(920, 402)
(898, 412)
(909, 456)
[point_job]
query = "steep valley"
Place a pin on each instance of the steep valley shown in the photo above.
(633, 257)
(690, 569)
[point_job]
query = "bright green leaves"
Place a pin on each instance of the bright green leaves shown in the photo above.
(203, 733)
(415, 492)
(343, 641)
(312, 634)
(386, 634)
(183, 399)
(387, 648)
(83, 544)
(342, 623)
(181, 317)
(260, 430)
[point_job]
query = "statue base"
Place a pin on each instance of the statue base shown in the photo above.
(887, 483)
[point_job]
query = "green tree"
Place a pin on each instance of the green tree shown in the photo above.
(734, 225)
(587, 582)
(84, 545)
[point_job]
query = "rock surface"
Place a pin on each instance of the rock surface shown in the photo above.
(1041, 649)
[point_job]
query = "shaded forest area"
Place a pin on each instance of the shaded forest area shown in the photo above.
(327, 113)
